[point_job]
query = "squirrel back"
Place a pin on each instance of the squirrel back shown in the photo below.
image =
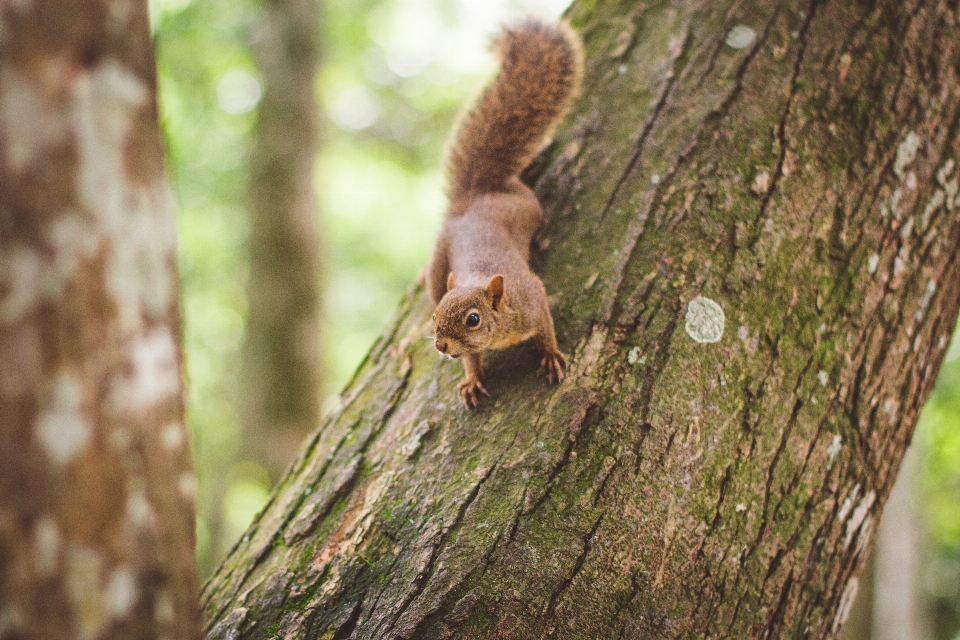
(540, 70)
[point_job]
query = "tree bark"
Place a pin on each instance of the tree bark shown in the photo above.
(281, 377)
(696, 475)
(96, 488)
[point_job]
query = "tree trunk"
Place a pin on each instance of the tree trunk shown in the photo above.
(280, 392)
(899, 606)
(698, 474)
(96, 489)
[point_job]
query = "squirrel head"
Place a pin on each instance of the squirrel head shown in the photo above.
(468, 319)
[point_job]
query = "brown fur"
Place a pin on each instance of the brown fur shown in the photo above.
(479, 263)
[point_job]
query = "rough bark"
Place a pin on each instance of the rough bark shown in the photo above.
(794, 163)
(96, 489)
(280, 392)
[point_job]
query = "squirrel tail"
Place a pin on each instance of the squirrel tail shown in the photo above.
(540, 70)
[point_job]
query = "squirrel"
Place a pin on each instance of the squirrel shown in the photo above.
(478, 275)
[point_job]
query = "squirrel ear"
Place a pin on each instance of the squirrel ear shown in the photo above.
(494, 291)
(451, 281)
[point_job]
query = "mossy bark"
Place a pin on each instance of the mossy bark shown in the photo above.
(794, 163)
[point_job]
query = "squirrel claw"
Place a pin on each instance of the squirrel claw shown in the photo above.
(469, 391)
(552, 366)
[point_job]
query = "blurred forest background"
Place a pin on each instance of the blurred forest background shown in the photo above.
(393, 75)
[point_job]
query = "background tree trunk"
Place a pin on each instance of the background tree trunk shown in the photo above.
(281, 378)
(96, 489)
(696, 475)
(899, 605)
(891, 603)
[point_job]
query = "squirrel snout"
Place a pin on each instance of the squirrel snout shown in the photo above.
(441, 346)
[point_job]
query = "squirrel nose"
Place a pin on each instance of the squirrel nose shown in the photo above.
(441, 346)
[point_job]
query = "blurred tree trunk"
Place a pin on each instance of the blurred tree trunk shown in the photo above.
(281, 377)
(891, 603)
(96, 489)
(697, 475)
(899, 607)
(859, 624)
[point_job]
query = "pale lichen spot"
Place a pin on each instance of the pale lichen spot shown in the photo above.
(633, 356)
(935, 202)
(172, 436)
(20, 279)
(906, 153)
(155, 375)
(740, 508)
(46, 546)
(848, 504)
(31, 126)
(138, 218)
(823, 377)
(120, 15)
(413, 444)
(892, 205)
(890, 407)
(121, 592)
(761, 182)
(834, 449)
(951, 189)
(906, 229)
(846, 603)
(163, 611)
(139, 509)
(187, 485)
(72, 241)
(743, 333)
(911, 180)
(872, 263)
(62, 428)
(704, 320)
(925, 301)
(655, 179)
(84, 568)
(898, 266)
(858, 516)
(945, 171)
(104, 103)
(866, 534)
(950, 186)
(11, 621)
(740, 37)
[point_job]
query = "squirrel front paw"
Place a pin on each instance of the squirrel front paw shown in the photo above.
(470, 390)
(552, 365)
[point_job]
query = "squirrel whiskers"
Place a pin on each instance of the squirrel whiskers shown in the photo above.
(479, 277)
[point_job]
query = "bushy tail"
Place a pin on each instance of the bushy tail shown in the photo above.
(540, 70)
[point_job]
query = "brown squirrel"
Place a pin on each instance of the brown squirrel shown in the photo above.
(478, 276)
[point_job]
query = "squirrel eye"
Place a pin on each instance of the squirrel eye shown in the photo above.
(473, 320)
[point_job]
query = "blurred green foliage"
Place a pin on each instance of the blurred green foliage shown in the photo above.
(394, 76)
(938, 435)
